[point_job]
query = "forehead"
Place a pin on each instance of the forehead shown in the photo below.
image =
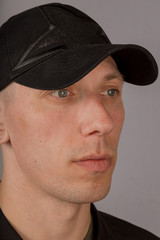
(107, 65)
(106, 70)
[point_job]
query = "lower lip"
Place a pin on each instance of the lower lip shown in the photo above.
(99, 165)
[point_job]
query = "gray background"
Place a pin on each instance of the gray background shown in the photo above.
(135, 192)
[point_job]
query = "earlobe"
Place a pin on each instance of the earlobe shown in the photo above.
(4, 137)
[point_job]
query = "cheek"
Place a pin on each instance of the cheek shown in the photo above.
(43, 133)
(54, 127)
(118, 119)
(39, 139)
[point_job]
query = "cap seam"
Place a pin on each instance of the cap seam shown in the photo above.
(45, 16)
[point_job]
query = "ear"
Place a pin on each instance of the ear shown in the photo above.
(4, 137)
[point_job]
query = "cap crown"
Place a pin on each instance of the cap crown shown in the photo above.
(34, 35)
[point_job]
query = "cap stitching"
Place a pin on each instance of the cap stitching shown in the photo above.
(45, 16)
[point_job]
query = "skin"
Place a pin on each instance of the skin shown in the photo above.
(42, 138)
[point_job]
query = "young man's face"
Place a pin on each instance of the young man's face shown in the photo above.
(64, 142)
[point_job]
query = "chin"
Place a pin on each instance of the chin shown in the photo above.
(99, 196)
(93, 195)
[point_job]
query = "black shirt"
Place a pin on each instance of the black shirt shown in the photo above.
(105, 227)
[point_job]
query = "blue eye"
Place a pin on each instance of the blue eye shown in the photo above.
(110, 92)
(61, 93)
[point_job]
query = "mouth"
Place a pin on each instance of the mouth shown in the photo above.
(94, 163)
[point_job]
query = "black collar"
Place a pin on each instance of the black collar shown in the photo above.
(101, 228)
(7, 232)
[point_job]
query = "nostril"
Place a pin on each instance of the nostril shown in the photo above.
(97, 127)
(93, 133)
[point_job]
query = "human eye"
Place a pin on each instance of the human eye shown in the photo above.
(61, 93)
(110, 92)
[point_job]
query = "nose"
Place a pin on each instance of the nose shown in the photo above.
(96, 119)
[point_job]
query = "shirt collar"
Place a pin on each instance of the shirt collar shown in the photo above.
(100, 226)
(6, 230)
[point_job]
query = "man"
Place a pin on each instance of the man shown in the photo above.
(62, 113)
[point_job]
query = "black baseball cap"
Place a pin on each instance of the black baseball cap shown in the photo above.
(55, 45)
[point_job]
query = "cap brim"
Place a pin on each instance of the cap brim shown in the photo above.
(69, 66)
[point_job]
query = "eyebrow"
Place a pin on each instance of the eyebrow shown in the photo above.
(114, 75)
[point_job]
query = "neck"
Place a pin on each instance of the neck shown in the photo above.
(37, 216)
